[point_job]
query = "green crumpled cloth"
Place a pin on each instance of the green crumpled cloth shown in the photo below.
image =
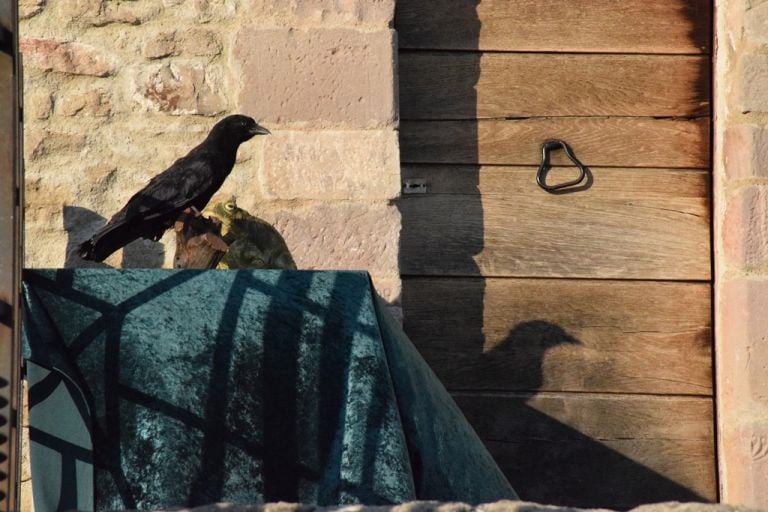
(160, 388)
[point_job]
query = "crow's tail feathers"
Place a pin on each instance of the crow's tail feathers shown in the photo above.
(86, 250)
(106, 241)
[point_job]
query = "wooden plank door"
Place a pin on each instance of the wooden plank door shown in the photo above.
(574, 330)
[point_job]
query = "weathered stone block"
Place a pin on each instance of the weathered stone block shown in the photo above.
(334, 236)
(213, 10)
(199, 42)
(38, 144)
(65, 57)
(38, 105)
(317, 77)
(756, 23)
(30, 8)
(753, 83)
(99, 13)
(202, 11)
(162, 44)
(180, 88)
(332, 165)
(196, 42)
(746, 151)
(745, 227)
(49, 249)
(93, 103)
(744, 337)
(300, 13)
(745, 461)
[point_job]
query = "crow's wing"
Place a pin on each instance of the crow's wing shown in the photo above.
(172, 190)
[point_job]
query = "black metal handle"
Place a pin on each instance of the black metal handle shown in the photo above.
(541, 174)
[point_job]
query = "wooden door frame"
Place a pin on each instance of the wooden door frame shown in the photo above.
(10, 258)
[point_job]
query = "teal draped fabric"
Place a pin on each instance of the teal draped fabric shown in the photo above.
(160, 388)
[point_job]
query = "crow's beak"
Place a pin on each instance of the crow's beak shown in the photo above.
(259, 130)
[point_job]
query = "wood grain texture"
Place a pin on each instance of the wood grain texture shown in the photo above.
(497, 85)
(630, 224)
(631, 26)
(613, 451)
(597, 141)
(555, 335)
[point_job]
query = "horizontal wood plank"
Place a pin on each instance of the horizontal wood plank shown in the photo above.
(613, 451)
(597, 141)
(641, 26)
(562, 335)
(640, 223)
(497, 85)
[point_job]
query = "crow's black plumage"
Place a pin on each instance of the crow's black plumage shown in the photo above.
(189, 182)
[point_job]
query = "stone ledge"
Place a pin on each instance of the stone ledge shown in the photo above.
(434, 506)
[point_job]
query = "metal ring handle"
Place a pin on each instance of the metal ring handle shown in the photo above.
(541, 175)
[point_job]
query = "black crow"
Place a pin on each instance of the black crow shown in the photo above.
(189, 182)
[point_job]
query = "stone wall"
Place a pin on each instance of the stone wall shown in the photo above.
(434, 506)
(115, 91)
(741, 249)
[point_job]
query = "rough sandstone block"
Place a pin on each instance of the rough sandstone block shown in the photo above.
(95, 13)
(753, 83)
(332, 165)
(93, 103)
(180, 88)
(756, 23)
(338, 236)
(38, 105)
(300, 13)
(744, 326)
(65, 57)
(745, 227)
(317, 77)
(30, 8)
(745, 461)
(195, 42)
(39, 144)
(201, 11)
(746, 151)
(162, 44)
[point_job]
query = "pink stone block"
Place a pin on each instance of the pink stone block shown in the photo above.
(746, 151)
(742, 349)
(753, 83)
(332, 164)
(317, 77)
(744, 449)
(65, 57)
(745, 228)
(343, 235)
